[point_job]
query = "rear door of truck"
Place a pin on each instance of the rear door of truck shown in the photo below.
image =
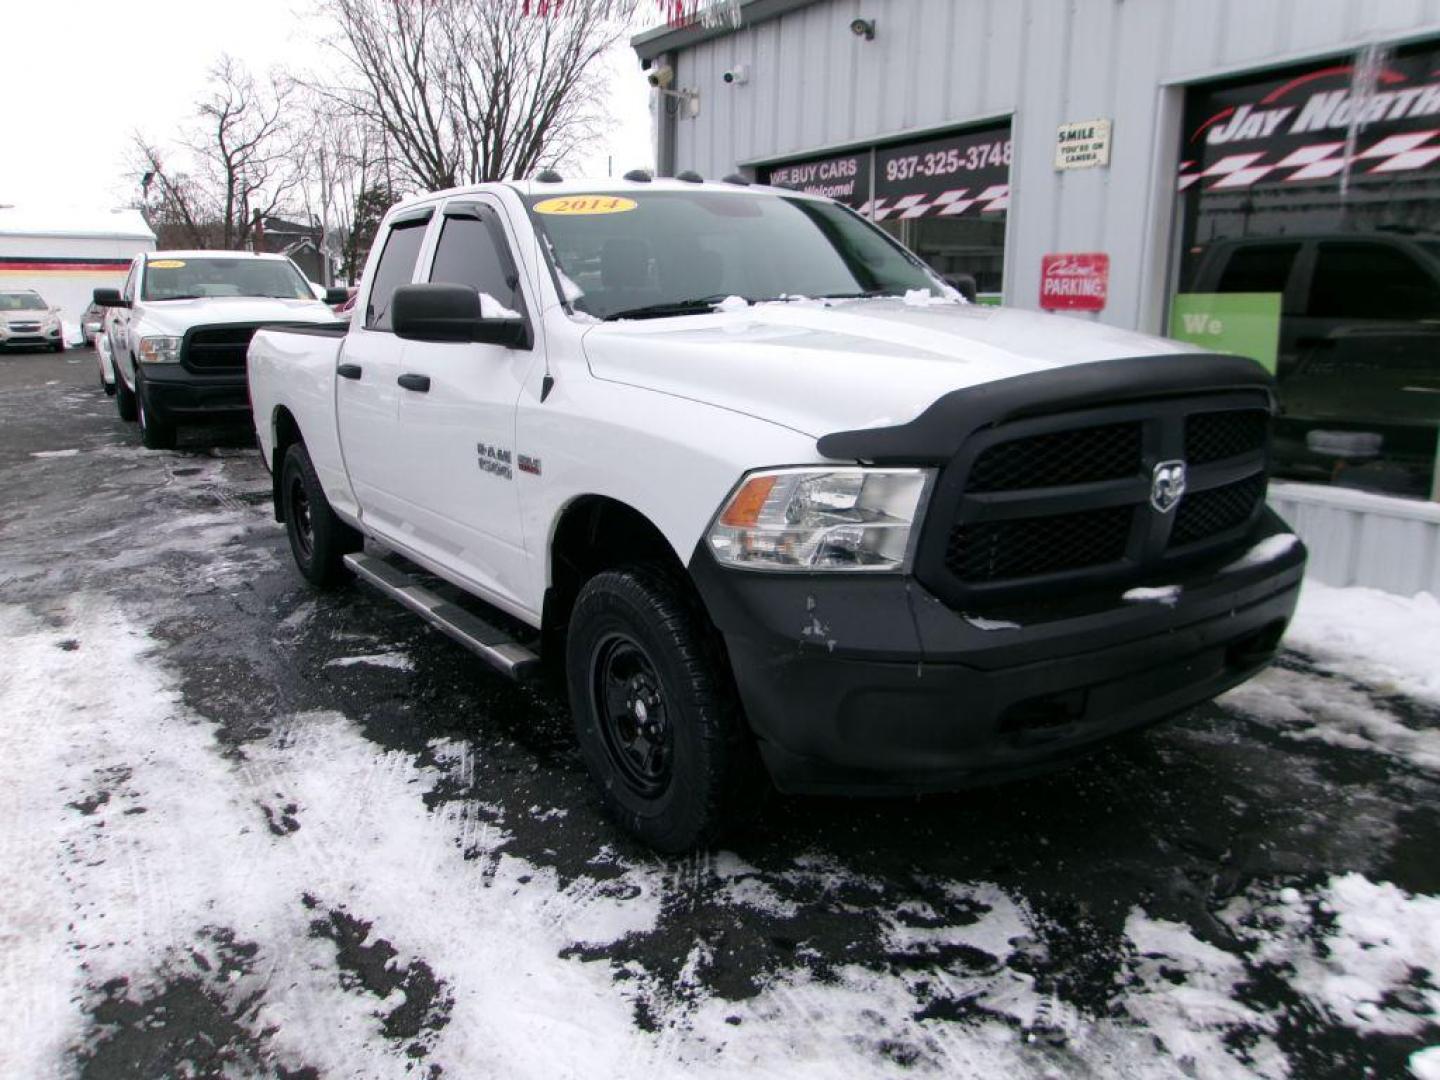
(366, 386)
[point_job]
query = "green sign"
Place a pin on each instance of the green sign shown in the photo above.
(1245, 324)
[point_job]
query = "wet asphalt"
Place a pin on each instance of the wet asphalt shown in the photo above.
(1178, 821)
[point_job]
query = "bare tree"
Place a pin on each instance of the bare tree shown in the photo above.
(342, 156)
(473, 90)
(237, 160)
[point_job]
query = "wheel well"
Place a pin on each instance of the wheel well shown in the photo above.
(595, 533)
(287, 433)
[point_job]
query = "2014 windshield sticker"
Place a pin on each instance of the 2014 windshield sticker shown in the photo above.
(166, 264)
(586, 204)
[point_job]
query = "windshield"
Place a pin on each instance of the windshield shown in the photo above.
(187, 279)
(619, 254)
(21, 301)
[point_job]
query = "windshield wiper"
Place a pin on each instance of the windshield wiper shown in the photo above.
(699, 305)
(195, 297)
(866, 295)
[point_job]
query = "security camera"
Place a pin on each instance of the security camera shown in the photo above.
(662, 76)
(863, 28)
(737, 76)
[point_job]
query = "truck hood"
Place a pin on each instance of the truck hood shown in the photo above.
(820, 368)
(174, 317)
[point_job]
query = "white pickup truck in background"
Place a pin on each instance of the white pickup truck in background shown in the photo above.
(173, 339)
(780, 505)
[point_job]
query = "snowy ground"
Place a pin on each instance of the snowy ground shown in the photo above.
(250, 830)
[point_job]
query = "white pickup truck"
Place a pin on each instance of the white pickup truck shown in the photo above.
(780, 505)
(174, 336)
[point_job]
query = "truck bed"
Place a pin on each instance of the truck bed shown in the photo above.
(291, 370)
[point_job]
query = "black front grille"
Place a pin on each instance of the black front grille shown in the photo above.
(1205, 514)
(1084, 455)
(1215, 436)
(988, 551)
(219, 349)
(1063, 500)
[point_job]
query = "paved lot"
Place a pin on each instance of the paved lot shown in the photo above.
(248, 827)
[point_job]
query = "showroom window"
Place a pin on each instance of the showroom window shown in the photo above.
(1310, 231)
(945, 198)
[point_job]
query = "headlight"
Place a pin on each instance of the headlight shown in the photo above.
(820, 519)
(159, 350)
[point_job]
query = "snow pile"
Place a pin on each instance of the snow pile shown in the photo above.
(1390, 642)
(982, 623)
(1186, 992)
(1272, 547)
(395, 660)
(1425, 1064)
(1363, 952)
(926, 298)
(732, 303)
(1169, 595)
(1334, 712)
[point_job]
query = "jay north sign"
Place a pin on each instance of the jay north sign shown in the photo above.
(1294, 127)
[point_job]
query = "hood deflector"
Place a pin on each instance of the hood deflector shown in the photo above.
(936, 435)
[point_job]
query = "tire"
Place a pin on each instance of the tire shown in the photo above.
(155, 434)
(318, 539)
(59, 346)
(656, 712)
(124, 397)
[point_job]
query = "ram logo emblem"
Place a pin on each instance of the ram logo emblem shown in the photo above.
(1167, 485)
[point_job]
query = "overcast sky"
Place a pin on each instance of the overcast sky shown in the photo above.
(79, 76)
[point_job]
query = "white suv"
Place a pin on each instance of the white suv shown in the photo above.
(27, 321)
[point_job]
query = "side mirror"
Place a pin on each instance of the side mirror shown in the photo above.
(436, 312)
(964, 284)
(109, 298)
(335, 296)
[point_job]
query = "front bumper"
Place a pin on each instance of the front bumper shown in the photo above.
(176, 395)
(871, 685)
(29, 339)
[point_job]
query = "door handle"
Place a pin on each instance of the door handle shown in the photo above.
(418, 383)
(348, 371)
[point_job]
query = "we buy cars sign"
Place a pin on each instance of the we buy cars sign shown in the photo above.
(1074, 282)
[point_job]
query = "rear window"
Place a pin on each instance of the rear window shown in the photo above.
(395, 268)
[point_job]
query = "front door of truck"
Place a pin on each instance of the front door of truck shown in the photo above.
(457, 417)
(366, 390)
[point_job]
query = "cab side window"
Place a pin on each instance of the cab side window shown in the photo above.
(472, 251)
(128, 291)
(1371, 281)
(395, 268)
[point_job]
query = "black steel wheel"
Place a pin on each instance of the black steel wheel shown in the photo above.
(656, 712)
(155, 434)
(124, 397)
(634, 725)
(319, 540)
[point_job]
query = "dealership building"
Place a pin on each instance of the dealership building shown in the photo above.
(1259, 177)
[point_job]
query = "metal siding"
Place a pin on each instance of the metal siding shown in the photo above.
(1362, 539)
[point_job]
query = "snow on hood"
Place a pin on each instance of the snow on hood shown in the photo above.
(177, 316)
(824, 368)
